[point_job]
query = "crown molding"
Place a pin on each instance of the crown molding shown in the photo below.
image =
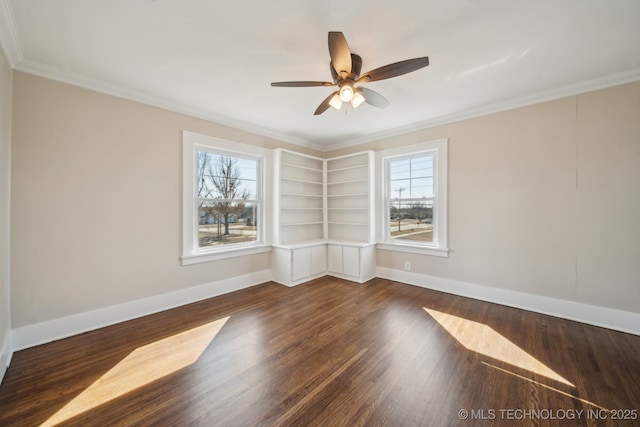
(531, 99)
(9, 38)
(79, 80)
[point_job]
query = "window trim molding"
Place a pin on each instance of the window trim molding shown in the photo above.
(440, 245)
(191, 253)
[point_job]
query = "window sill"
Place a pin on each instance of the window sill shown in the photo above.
(414, 249)
(197, 258)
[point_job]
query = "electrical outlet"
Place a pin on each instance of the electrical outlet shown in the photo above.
(407, 266)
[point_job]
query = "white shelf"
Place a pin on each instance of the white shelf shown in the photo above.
(292, 158)
(296, 224)
(302, 181)
(291, 165)
(350, 243)
(350, 161)
(300, 195)
(347, 168)
(347, 182)
(301, 244)
(348, 195)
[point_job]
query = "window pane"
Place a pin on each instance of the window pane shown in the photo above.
(247, 168)
(411, 178)
(421, 187)
(400, 169)
(400, 189)
(226, 177)
(422, 165)
(411, 221)
(223, 223)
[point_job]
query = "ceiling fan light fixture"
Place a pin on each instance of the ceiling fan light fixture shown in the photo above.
(346, 92)
(336, 102)
(345, 72)
(357, 99)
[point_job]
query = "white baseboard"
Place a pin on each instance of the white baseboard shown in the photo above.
(349, 278)
(300, 281)
(44, 332)
(619, 320)
(5, 356)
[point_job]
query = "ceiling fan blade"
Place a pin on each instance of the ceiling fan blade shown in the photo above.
(395, 69)
(339, 53)
(356, 64)
(300, 84)
(373, 98)
(325, 104)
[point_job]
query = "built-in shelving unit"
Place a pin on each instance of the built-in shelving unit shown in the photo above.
(299, 207)
(323, 214)
(350, 197)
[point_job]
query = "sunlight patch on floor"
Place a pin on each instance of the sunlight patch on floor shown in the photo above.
(142, 366)
(485, 340)
(544, 385)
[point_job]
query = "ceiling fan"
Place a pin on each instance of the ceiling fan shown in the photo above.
(345, 70)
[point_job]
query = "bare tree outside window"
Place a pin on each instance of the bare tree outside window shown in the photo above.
(227, 199)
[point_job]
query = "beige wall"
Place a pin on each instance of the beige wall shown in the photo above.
(96, 209)
(608, 197)
(543, 199)
(5, 176)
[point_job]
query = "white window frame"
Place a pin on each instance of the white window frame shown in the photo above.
(191, 252)
(439, 245)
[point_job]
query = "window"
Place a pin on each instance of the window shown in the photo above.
(414, 217)
(227, 198)
(223, 199)
(410, 198)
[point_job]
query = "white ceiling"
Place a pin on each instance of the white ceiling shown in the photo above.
(216, 59)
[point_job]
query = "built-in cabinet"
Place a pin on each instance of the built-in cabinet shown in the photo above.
(323, 216)
(295, 264)
(351, 261)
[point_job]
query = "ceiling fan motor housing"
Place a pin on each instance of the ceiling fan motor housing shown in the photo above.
(356, 67)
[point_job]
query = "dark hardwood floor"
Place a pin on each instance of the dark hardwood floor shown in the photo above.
(330, 353)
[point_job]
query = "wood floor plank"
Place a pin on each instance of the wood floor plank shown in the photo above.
(330, 353)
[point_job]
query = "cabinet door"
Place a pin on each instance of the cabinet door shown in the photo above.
(301, 263)
(318, 259)
(351, 261)
(334, 258)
